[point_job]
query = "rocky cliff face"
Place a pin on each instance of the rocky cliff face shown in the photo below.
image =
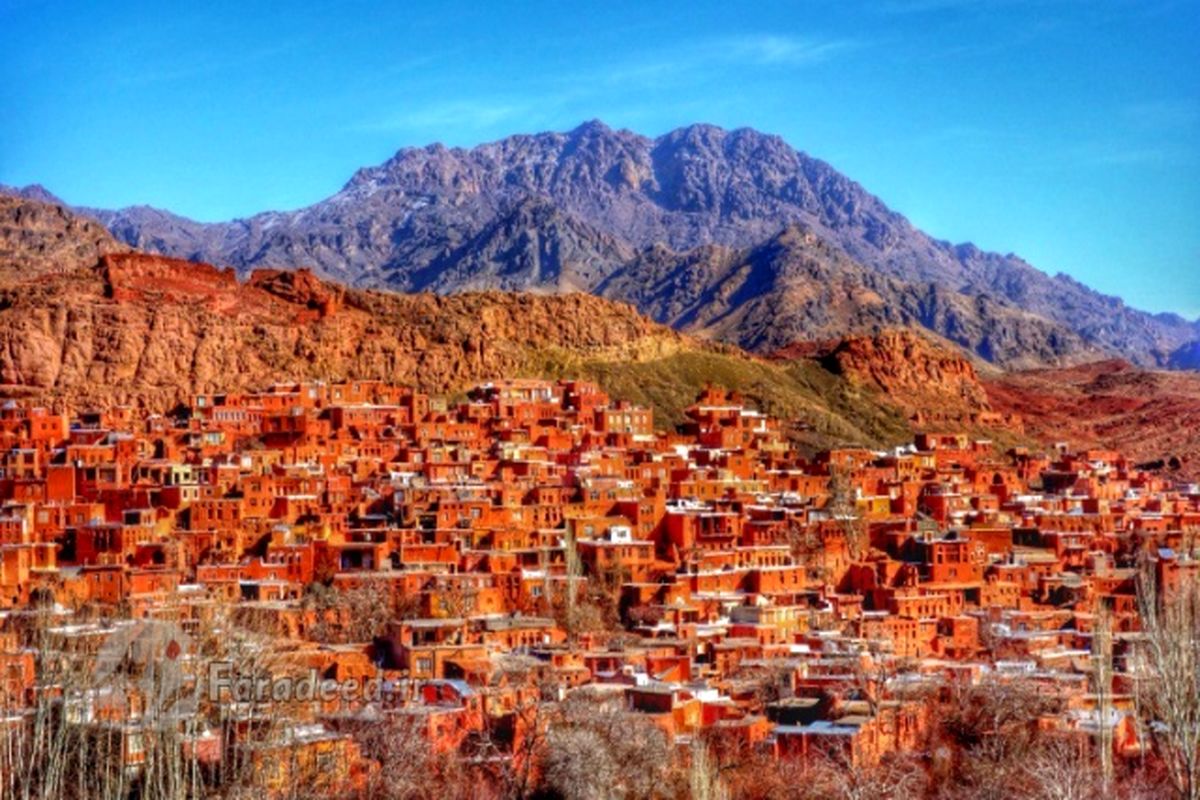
(909, 368)
(934, 384)
(37, 238)
(564, 211)
(1153, 416)
(148, 330)
(532, 246)
(153, 331)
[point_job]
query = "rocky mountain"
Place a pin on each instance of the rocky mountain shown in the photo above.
(797, 286)
(1186, 356)
(150, 330)
(38, 238)
(34, 191)
(916, 373)
(565, 211)
(534, 247)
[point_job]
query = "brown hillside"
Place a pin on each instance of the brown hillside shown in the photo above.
(930, 382)
(151, 330)
(1150, 415)
(36, 238)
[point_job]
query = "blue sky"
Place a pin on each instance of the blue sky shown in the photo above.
(1067, 131)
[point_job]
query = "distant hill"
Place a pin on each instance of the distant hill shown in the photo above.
(667, 223)
(796, 286)
(1151, 415)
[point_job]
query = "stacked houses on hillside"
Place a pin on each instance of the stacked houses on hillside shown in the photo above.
(473, 561)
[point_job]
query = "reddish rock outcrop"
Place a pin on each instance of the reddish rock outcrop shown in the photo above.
(300, 287)
(1153, 416)
(929, 381)
(902, 362)
(153, 331)
(140, 278)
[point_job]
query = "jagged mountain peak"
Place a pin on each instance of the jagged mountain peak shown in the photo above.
(591, 127)
(33, 191)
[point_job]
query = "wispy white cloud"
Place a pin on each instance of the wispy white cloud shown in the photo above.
(456, 114)
(213, 63)
(700, 59)
(1106, 10)
(1119, 147)
(1157, 133)
(774, 49)
(574, 95)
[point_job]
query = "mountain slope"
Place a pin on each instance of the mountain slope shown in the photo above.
(1150, 415)
(915, 373)
(38, 238)
(796, 287)
(106, 326)
(153, 331)
(531, 246)
(449, 219)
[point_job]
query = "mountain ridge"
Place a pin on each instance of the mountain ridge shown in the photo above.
(564, 211)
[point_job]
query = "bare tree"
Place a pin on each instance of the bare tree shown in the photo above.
(1168, 676)
(356, 614)
(409, 769)
(704, 781)
(579, 765)
(843, 511)
(117, 713)
(519, 749)
(596, 749)
(984, 735)
(807, 548)
(1102, 677)
(1060, 769)
(871, 673)
(571, 555)
(833, 776)
(1190, 536)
